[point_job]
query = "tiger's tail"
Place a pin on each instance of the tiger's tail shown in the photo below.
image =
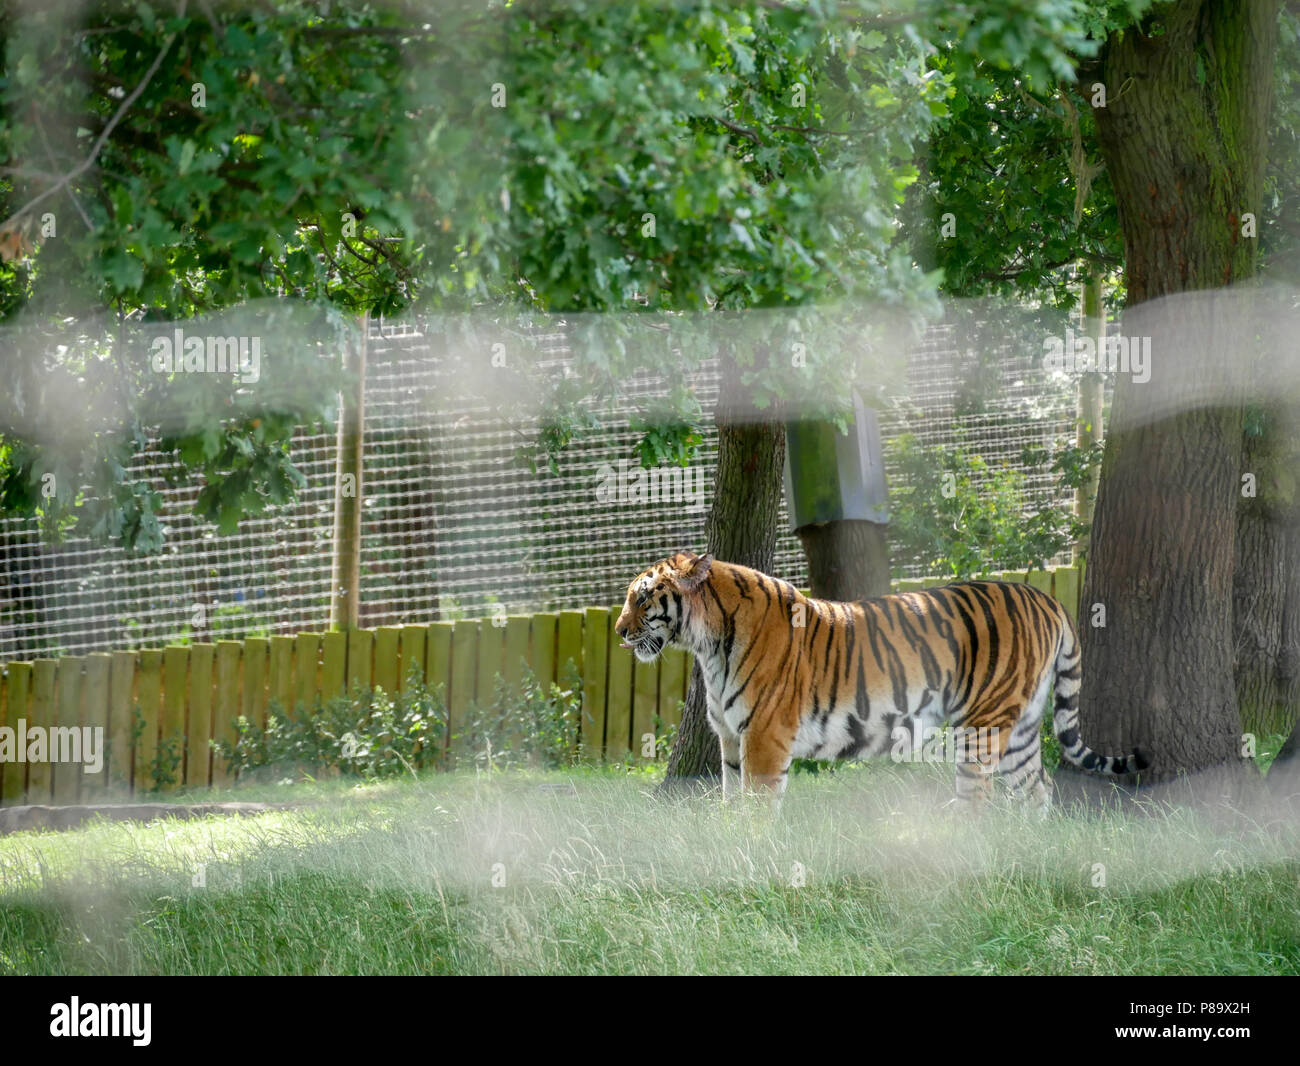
(1065, 715)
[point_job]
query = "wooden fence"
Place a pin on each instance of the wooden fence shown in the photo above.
(187, 695)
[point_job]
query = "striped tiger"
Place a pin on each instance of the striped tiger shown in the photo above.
(789, 676)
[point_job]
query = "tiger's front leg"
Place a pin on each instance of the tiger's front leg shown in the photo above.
(731, 779)
(766, 760)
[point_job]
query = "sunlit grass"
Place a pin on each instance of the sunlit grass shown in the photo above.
(863, 871)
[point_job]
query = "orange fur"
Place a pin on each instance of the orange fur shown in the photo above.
(790, 676)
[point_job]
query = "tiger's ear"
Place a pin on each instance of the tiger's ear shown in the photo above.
(692, 570)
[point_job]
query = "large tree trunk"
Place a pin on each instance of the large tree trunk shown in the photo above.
(1267, 588)
(1266, 585)
(1183, 137)
(847, 559)
(1284, 774)
(741, 528)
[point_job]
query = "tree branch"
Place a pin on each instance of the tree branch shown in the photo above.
(100, 141)
(737, 128)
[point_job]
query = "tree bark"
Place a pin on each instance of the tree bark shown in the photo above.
(1266, 583)
(1284, 775)
(741, 528)
(847, 559)
(1183, 137)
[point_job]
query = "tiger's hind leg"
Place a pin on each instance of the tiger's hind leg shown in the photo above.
(1021, 765)
(1023, 775)
(978, 753)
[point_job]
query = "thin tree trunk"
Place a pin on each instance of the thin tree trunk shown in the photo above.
(345, 567)
(1183, 137)
(847, 559)
(741, 528)
(1089, 430)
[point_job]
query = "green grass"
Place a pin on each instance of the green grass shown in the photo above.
(864, 871)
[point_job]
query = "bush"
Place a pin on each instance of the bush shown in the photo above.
(373, 733)
(538, 727)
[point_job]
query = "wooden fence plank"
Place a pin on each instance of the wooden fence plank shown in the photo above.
(595, 660)
(518, 650)
(121, 702)
(18, 688)
(568, 662)
(413, 651)
(491, 657)
(672, 684)
(437, 667)
(198, 717)
(334, 664)
(514, 664)
(413, 662)
(568, 644)
(12, 758)
(148, 699)
(387, 669)
(541, 651)
(256, 655)
(65, 775)
(645, 698)
(279, 678)
(1066, 588)
(464, 676)
(1040, 579)
(41, 714)
(176, 668)
(228, 708)
(618, 699)
(306, 672)
(94, 713)
(361, 647)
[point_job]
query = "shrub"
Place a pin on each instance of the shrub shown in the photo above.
(373, 733)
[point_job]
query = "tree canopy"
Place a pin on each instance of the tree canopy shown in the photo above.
(165, 162)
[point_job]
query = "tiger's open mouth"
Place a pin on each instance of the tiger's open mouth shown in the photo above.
(645, 647)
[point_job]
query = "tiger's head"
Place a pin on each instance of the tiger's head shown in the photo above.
(657, 605)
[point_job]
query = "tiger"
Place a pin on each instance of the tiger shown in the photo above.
(791, 677)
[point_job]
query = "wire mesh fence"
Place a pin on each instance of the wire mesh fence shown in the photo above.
(454, 525)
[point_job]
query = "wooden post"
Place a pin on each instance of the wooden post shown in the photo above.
(1090, 402)
(18, 688)
(227, 710)
(345, 570)
(595, 661)
(198, 716)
